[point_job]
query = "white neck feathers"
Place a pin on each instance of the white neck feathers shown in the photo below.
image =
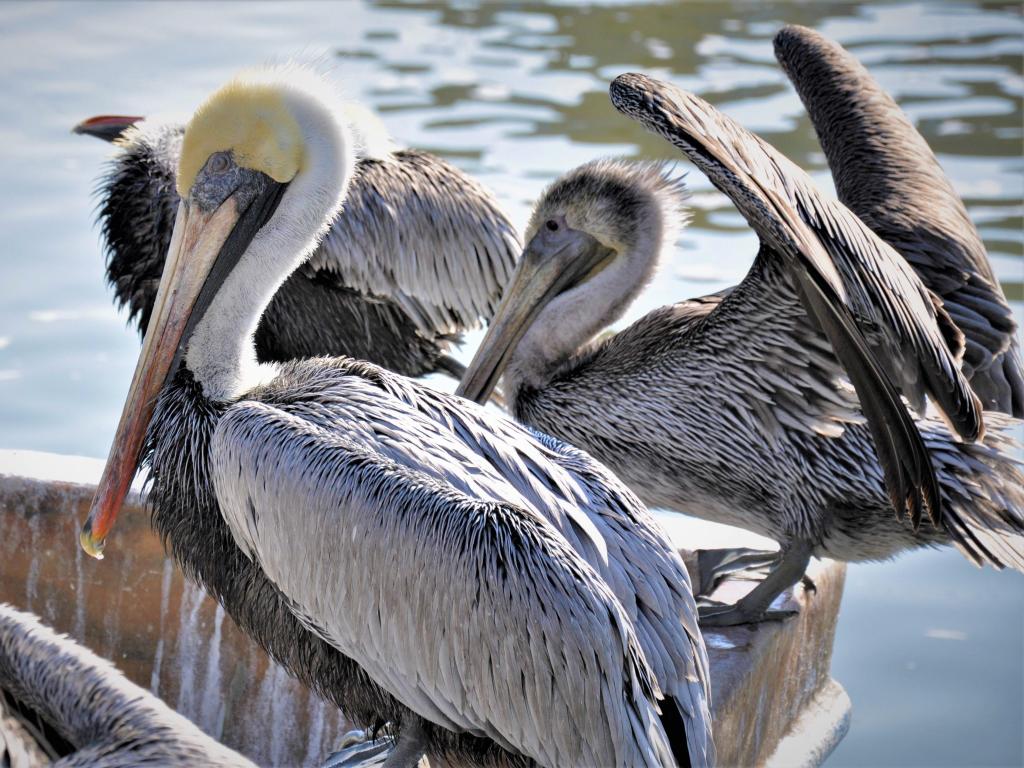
(221, 352)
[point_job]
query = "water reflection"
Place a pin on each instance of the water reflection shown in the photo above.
(517, 97)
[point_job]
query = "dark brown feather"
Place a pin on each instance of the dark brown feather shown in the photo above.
(885, 172)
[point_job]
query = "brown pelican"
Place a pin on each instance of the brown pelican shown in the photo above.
(494, 594)
(81, 711)
(735, 406)
(420, 255)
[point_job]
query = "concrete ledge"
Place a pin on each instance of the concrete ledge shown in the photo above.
(136, 609)
(765, 677)
(819, 729)
(774, 701)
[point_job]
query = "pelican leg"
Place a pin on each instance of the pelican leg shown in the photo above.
(754, 607)
(410, 747)
(714, 566)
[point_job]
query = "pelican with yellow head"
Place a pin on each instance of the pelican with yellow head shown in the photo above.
(491, 593)
(379, 285)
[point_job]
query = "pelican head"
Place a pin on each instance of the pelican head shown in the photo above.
(593, 242)
(264, 167)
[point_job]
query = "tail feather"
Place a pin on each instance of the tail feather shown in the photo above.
(983, 491)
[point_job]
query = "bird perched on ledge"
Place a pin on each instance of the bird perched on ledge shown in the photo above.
(495, 595)
(420, 254)
(737, 407)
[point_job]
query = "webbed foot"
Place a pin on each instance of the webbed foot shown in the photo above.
(785, 569)
(359, 749)
(734, 615)
(714, 566)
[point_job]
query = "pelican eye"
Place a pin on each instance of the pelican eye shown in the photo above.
(218, 163)
(552, 225)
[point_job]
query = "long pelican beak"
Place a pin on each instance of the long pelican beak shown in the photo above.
(106, 127)
(550, 265)
(205, 247)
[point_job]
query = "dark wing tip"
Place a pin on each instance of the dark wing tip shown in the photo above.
(794, 39)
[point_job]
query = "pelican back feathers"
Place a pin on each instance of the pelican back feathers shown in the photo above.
(431, 239)
(410, 448)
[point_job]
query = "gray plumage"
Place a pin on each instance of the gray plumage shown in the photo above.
(737, 406)
(526, 567)
(420, 255)
(496, 597)
(886, 173)
(86, 711)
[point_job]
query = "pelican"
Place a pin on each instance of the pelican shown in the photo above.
(496, 595)
(81, 711)
(419, 256)
(737, 406)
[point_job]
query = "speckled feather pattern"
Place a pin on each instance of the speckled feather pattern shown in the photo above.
(908, 333)
(431, 239)
(107, 721)
(757, 427)
(886, 173)
(734, 407)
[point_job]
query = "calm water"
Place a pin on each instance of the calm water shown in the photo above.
(930, 649)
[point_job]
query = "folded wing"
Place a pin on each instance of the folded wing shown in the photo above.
(476, 613)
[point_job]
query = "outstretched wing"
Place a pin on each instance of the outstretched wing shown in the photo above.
(474, 612)
(885, 172)
(883, 324)
(421, 233)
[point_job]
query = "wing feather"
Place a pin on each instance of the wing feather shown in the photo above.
(448, 601)
(420, 232)
(880, 319)
(886, 173)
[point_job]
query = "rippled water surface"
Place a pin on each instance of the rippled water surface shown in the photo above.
(929, 648)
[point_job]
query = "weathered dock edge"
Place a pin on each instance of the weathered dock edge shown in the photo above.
(774, 701)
